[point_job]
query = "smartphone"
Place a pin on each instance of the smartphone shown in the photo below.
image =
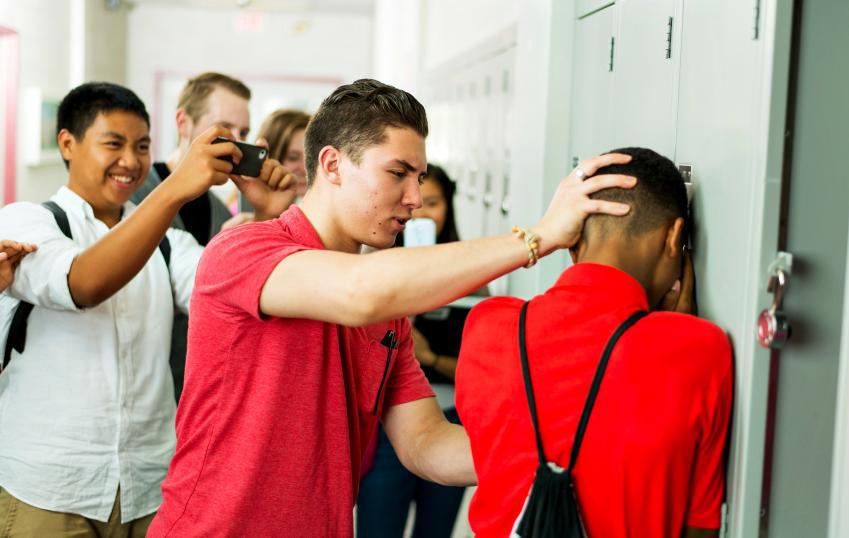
(419, 233)
(252, 158)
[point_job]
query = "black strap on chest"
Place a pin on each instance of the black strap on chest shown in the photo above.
(552, 508)
(17, 337)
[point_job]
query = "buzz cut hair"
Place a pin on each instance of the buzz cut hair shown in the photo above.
(658, 198)
(355, 117)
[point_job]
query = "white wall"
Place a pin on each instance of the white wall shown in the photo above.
(46, 45)
(300, 56)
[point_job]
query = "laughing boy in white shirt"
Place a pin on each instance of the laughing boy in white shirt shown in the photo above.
(87, 405)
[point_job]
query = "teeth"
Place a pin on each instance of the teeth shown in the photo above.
(122, 179)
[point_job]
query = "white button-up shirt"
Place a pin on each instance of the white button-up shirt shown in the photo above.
(90, 403)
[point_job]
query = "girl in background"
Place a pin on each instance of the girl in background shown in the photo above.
(388, 488)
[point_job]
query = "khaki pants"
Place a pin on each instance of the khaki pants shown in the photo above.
(20, 520)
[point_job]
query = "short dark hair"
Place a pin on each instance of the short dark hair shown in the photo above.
(80, 107)
(658, 198)
(355, 116)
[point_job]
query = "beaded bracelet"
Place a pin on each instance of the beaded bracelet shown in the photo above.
(531, 242)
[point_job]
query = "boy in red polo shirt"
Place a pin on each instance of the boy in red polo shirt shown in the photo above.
(298, 345)
(651, 462)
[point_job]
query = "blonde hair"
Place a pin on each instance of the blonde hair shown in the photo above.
(194, 94)
(279, 128)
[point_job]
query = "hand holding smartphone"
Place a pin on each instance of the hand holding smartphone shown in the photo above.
(252, 158)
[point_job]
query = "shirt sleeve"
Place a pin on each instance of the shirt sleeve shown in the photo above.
(407, 382)
(185, 255)
(708, 483)
(42, 277)
(236, 264)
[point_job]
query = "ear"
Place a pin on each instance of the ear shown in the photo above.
(184, 123)
(66, 142)
(329, 162)
(674, 238)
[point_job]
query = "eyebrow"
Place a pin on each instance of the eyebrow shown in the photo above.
(119, 136)
(409, 167)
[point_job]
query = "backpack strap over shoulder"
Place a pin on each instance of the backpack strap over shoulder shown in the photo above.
(17, 337)
(591, 396)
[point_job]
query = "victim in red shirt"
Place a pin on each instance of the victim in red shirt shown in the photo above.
(652, 457)
(276, 412)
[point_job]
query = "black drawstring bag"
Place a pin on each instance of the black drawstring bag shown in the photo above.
(552, 510)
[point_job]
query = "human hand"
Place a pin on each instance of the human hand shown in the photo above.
(571, 204)
(11, 254)
(237, 219)
(680, 297)
(421, 348)
(272, 192)
(203, 166)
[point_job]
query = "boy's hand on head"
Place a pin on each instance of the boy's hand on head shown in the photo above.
(680, 297)
(272, 192)
(571, 204)
(203, 166)
(11, 254)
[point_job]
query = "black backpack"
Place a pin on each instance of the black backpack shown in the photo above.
(552, 509)
(17, 337)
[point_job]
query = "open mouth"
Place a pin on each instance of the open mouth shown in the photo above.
(401, 222)
(121, 180)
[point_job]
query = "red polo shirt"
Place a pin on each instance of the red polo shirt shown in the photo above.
(276, 413)
(652, 457)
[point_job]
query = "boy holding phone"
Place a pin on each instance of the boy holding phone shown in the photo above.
(86, 405)
(213, 99)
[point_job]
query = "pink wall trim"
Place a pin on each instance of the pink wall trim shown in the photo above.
(9, 39)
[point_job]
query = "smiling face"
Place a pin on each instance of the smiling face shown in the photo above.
(378, 196)
(109, 162)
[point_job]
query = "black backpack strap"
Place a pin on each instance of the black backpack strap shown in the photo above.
(165, 249)
(599, 375)
(17, 337)
(529, 388)
(60, 216)
(588, 405)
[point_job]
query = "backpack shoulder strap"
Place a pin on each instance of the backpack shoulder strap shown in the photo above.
(17, 337)
(599, 375)
(529, 388)
(165, 249)
(60, 216)
(588, 405)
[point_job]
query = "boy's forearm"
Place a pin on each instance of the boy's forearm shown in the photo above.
(110, 263)
(443, 273)
(444, 456)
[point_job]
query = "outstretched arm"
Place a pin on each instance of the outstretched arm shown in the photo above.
(11, 254)
(108, 265)
(356, 290)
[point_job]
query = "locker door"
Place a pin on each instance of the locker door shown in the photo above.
(643, 109)
(730, 128)
(591, 84)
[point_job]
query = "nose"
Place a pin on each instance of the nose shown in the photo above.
(129, 159)
(236, 134)
(412, 194)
